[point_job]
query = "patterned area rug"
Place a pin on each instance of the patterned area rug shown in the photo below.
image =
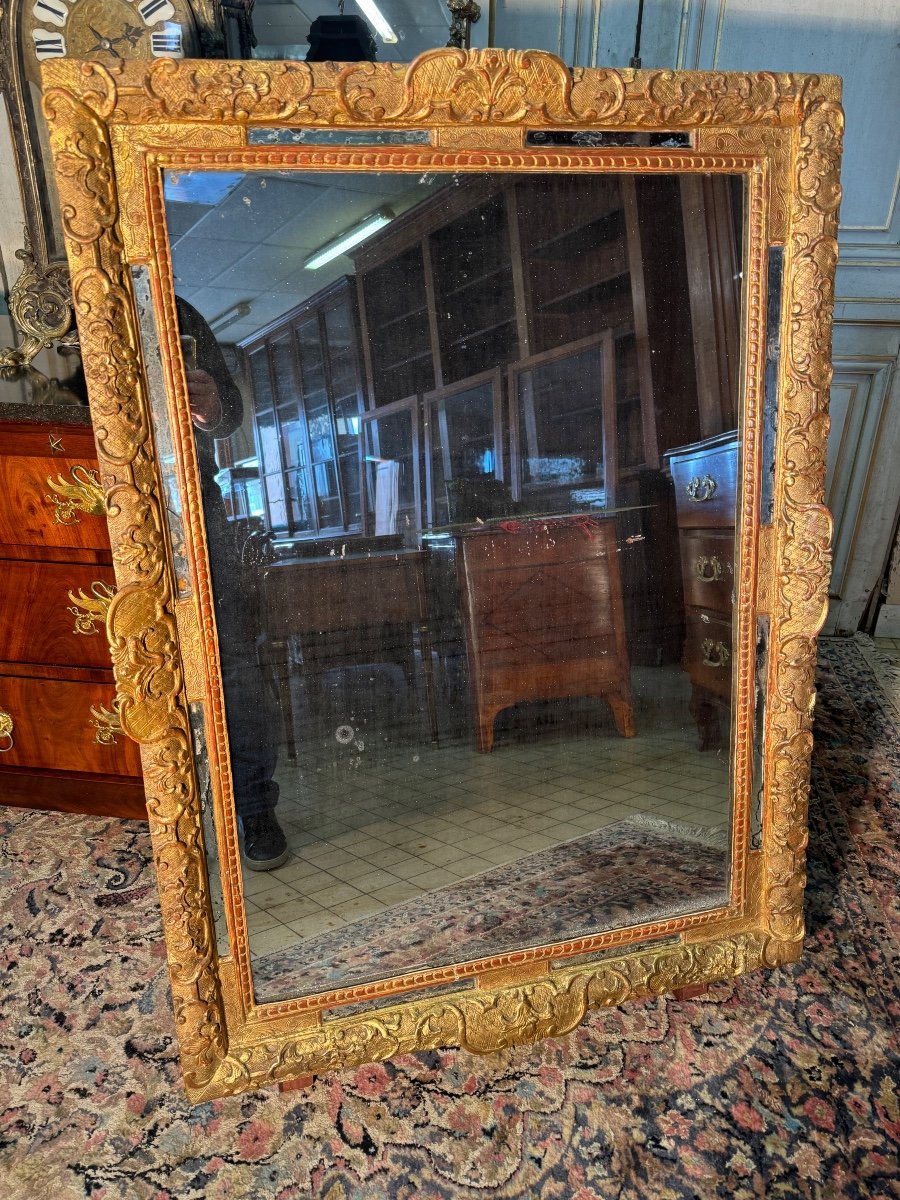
(641, 869)
(780, 1085)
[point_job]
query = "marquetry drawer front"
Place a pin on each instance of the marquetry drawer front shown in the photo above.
(51, 502)
(708, 652)
(54, 613)
(48, 723)
(707, 567)
(705, 487)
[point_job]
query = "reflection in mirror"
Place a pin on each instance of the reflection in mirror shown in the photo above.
(478, 688)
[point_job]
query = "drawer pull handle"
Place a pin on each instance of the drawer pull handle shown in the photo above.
(81, 493)
(91, 609)
(106, 723)
(701, 487)
(6, 732)
(715, 654)
(709, 570)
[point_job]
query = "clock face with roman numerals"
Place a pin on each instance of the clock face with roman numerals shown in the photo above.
(104, 30)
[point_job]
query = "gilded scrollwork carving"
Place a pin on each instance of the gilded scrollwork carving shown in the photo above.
(444, 86)
(802, 555)
(111, 131)
(140, 621)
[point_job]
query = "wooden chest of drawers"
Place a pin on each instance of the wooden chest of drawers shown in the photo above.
(60, 747)
(705, 479)
(543, 616)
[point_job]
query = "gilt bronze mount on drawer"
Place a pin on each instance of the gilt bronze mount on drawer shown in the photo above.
(80, 493)
(527, 263)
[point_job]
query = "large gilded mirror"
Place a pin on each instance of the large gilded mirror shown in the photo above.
(462, 430)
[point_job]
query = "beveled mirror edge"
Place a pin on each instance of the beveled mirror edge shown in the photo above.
(785, 130)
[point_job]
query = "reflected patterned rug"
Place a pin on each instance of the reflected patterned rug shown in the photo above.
(640, 869)
(778, 1086)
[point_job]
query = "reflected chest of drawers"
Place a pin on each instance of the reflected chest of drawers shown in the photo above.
(60, 746)
(543, 616)
(705, 478)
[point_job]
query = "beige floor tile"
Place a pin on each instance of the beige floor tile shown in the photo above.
(372, 880)
(386, 858)
(257, 882)
(272, 941)
(499, 855)
(533, 842)
(321, 922)
(466, 867)
(419, 844)
(362, 906)
(434, 878)
(294, 910)
(336, 894)
(397, 893)
(443, 856)
(259, 921)
(326, 856)
(274, 894)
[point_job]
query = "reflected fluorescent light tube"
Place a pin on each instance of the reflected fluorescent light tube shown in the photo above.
(352, 238)
(235, 313)
(376, 16)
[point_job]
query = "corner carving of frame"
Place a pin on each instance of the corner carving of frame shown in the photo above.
(796, 120)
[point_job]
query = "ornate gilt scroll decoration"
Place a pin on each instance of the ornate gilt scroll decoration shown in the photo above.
(474, 86)
(80, 493)
(803, 524)
(444, 86)
(170, 103)
(40, 305)
(215, 91)
(89, 610)
(140, 621)
(7, 725)
(487, 1020)
(107, 723)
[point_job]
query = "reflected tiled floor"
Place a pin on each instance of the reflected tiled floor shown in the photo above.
(365, 835)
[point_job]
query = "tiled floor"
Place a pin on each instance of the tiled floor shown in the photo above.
(366, 834)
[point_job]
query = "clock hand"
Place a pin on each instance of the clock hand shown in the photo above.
(104, 43)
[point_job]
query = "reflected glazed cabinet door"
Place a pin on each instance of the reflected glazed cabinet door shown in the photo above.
(60, 745)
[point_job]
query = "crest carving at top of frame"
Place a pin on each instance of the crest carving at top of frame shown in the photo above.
(441, 87)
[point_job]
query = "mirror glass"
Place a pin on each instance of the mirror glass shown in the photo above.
(469, 456)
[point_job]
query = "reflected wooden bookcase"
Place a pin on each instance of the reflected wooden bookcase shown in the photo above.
(463, 439)
(562, 420)
(307, 401)
(392, 434)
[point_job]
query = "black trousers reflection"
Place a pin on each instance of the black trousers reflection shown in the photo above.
(250, 711)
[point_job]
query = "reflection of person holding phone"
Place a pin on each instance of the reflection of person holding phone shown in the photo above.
(217, 409)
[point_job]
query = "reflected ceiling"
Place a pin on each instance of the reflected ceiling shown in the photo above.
(281, 26)
(242, 238)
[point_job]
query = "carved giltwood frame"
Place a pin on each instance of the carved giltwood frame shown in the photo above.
(113, 132)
